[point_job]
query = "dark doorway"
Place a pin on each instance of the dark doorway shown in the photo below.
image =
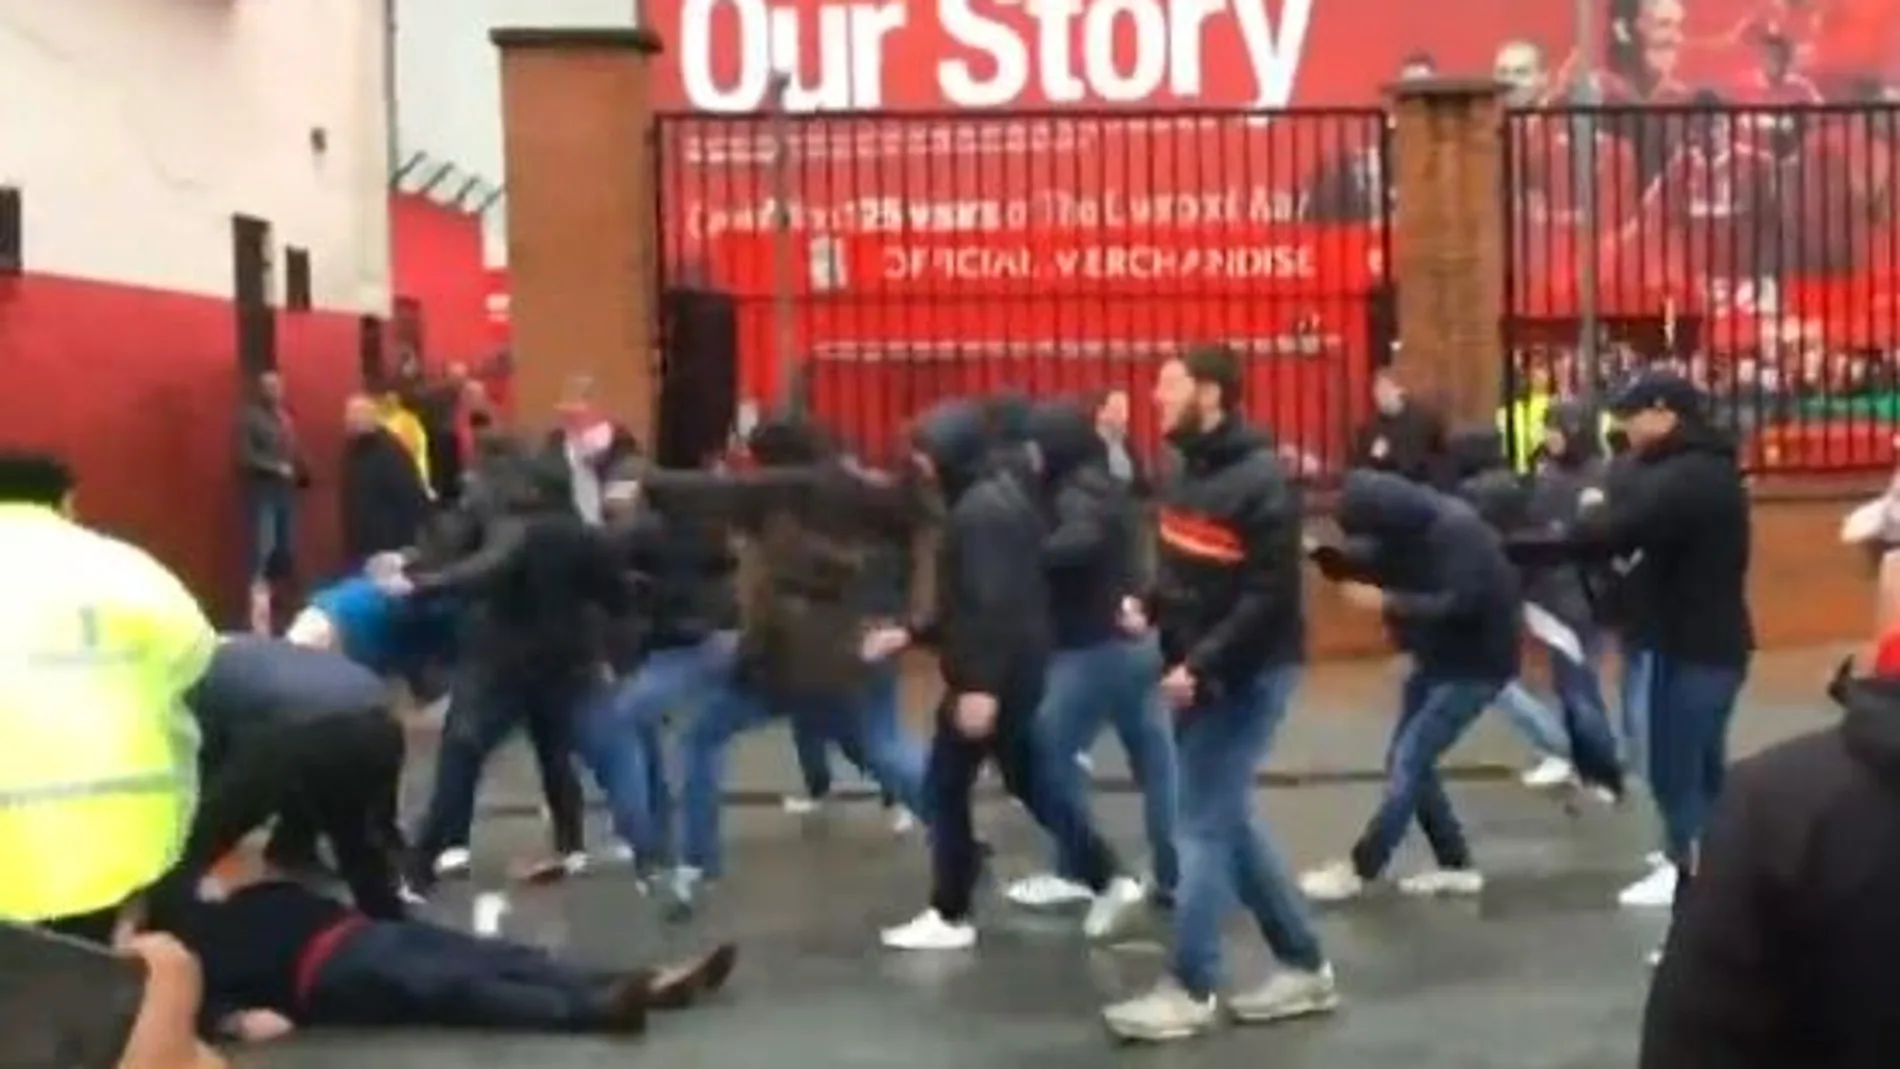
(251, 294)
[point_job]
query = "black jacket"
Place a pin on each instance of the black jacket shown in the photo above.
(258, 685)
(1410, 442)
(991, 622)
(1680, 520)
(1228, 563)
(1782, 950)
(1567, 589)
(1090, 553)
(384, 503)
(680, 566)
(1452, 597)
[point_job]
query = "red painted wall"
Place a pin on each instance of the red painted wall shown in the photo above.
(137, 388)
(437, 262)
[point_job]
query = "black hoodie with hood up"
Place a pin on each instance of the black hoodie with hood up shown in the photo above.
(991, 623)
(1091, 551)
(1782, 949)
(1451, 594)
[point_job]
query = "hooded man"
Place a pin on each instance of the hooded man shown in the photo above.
(993, 633)
(1232, 633)
(1568, 463)
(1782, 948)
(1450, 597)
(816, 639)
(1099, 672)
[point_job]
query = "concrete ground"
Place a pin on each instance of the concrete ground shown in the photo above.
(1543, 972)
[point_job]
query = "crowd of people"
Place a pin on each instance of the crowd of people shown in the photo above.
(635, 620)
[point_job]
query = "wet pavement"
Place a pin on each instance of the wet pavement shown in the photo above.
(1542, 972)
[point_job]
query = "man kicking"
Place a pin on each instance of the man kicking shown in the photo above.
(278, 956)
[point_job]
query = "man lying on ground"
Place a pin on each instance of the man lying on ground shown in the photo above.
(278, 956)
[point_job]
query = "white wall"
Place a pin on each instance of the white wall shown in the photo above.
(136, 128)
(448, 78)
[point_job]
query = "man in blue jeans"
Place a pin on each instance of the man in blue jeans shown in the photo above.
(1681, 518)
(1098, 670)
(1450, 597)
(1233, 635)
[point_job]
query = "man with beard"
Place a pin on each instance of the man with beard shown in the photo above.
(1233, 638)
(298, 733)
(992, 630)
(1099, 671)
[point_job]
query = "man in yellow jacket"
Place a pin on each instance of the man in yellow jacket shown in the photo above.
(98, 755)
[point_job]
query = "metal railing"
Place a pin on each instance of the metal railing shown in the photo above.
(884, 262)
(1753, 247)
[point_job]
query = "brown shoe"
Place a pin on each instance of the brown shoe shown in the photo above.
(677, 986)
(627, 1001)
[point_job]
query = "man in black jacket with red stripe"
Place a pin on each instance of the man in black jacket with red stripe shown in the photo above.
(1227, 603)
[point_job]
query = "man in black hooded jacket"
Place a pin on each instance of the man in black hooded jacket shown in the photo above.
(1450, 598)
(1099, 673)
(992, 631)
(1782, 949)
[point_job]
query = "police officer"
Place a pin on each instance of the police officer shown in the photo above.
(97, 757)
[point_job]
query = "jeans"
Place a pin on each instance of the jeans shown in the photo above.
(623, 739)
(1633, 695)
(1690, 707)
(1224, 855)
(1434, 714)
(875, 728)
(272, 510)
(1581, 733)
(1113, 681)
(869, 720)
(484, 709)
(415, 975)
(955, 760)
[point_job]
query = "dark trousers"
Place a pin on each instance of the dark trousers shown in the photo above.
(406, 973)
(950, 776)
(337, 777)
(485, 707)
(1690, 706)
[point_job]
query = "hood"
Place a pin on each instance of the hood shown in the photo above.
(1691, 436)
(1871, 728)
(1225, 444)
(788, 441)
(1577, 422)
(1064, 433)
(1006, 417)
(1499, 497)
(1382, 505)
(1475, 452)
(954, 435)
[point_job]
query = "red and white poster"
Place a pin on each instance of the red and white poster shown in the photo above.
(1069, 188)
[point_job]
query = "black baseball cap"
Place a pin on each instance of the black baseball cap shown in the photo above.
(1659, 389)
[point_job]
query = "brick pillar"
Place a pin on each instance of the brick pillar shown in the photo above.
(1448, 244)
(577, 113)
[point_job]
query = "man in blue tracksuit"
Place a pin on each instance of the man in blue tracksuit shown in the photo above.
(1099, 671)
(1233, 637)
(1450, 596)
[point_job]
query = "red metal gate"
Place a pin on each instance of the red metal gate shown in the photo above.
(888, 261)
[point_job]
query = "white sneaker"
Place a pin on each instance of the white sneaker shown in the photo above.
(1333, 882)
(1085, 762)
(618, 853)
(1654, 891)
(1443, 883)
(1046, 890)
(903, 821)
(929, 931)
(1549, 773)
(453, 863)
(1654, 959)
(1118, 904)
(1287, 994)
(576, 862)
(800, 805)
(1165, 1013)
